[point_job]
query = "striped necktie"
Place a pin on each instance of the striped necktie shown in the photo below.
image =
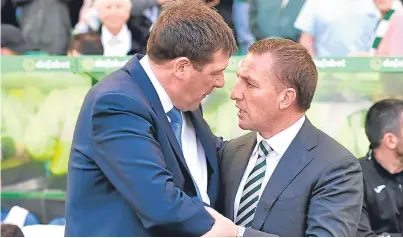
(251, 191)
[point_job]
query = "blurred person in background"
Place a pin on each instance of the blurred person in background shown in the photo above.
(118, 35)
(8, 13)
(337, 27)
(85, 44)
(388, 37)
(275, 18)
(242, 29)
(382, 212)
(224, 7)
(45, 24)
(12, 41)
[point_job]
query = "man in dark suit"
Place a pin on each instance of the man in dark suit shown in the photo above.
(286, 177)
(143, 160)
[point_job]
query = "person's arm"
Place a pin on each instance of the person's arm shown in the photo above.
(336, 202)
(308, 41)
(132, 160)
(305, 22)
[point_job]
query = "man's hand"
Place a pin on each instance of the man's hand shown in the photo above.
(222, 226)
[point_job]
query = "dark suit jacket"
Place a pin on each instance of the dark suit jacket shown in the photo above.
(127, 174)
(315, 190)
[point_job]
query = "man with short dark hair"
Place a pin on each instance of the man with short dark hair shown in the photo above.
(143, 160)
(286, 177)
(382, 212)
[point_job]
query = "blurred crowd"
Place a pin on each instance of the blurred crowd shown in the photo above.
(121, 27)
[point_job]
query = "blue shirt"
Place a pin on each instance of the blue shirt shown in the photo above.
(339, 27)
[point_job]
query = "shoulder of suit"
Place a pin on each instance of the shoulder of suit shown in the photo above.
(115, 81)
(332, 150)
(234, 143)
(118, 82)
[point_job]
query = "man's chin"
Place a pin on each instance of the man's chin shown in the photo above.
(243, 125)
(191, 108)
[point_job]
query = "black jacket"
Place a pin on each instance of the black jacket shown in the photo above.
(383, 200)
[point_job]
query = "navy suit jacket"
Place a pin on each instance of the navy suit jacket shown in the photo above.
(127, 174)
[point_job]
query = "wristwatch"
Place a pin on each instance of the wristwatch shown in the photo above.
(241, 231)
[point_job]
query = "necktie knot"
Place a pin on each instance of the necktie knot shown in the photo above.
(264, 148)
(175, 115)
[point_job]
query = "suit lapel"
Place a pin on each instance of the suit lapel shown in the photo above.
(238, 166)
(139, 75)
(291, 164)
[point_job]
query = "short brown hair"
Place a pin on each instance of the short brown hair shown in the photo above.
(293, 67)
(189, 28)
(11, 230)
(87, 44)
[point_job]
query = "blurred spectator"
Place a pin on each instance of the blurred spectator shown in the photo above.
(10, 230)
(141, 5)
(8, 13)
(89, 21)
(75, 10)
(85, 44)
(337, 27)
(45, 24)
(382, 168)
(12, 42)
(275, 18)
(242, 28)
(88, 18)
(389, 33)
(120, 36)
(224, 7)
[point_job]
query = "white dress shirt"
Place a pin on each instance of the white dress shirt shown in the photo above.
(279, 144)
(116, 45)
(192, 149)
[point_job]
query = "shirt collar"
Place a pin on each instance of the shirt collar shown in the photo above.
(162, 94)
(281, 141)
(121, 36)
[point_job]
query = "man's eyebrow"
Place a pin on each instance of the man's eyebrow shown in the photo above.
(250, 80)
(220, 70)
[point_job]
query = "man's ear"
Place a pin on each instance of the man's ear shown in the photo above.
(390, 140)
(287, 98)
(181, 65)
